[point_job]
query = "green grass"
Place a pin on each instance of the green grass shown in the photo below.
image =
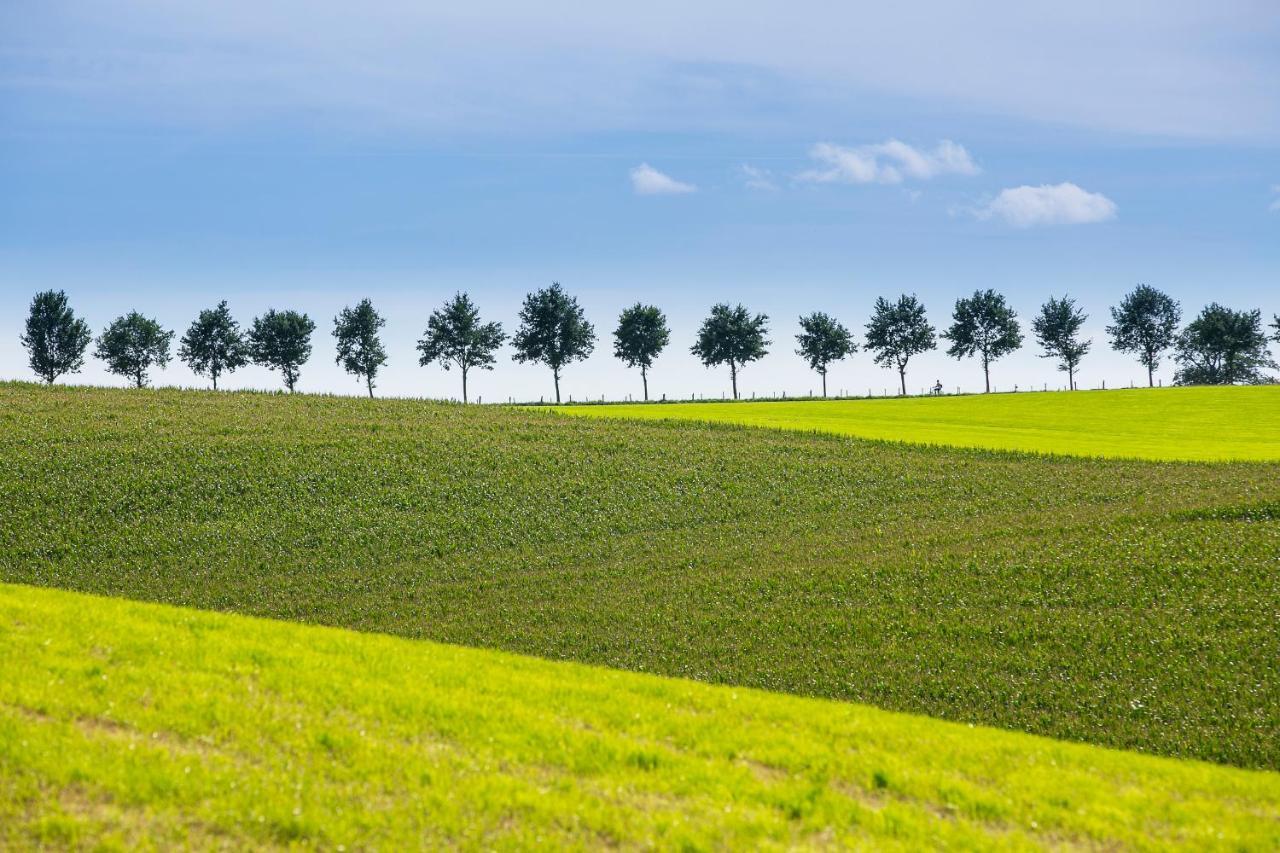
(1125, 603)
(1169, 423)
(128, 725)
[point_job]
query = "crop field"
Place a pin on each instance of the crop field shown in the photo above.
(126, 725)
(1166, 423)
(1124, 603)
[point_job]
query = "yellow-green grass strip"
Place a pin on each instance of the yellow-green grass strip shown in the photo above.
(1201, 424)
(136, 725)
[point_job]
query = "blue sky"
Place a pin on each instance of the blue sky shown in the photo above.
(797, 157)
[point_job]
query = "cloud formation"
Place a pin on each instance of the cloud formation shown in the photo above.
(1275, 203)
(755, 178)
(888, 162)
(646, 180)
(1048, 204)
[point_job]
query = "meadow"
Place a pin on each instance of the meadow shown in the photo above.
(1204, 423)
(138, 726)
(1124, 603)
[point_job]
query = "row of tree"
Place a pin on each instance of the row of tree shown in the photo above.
(1220, 346)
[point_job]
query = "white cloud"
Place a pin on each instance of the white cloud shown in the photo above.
(888, 162)
(1275, 204)
(1048, 204)
(756, 178)
(646, 180)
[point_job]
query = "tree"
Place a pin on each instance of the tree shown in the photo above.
(897, 331)
(1276, 325)
(823, 340)
(281, 340)
(1223, 347)
(642, 334)
(730, 335)
(553, 331)
(214, 344)
(1145, 323)
(1057, 329)
(360, 350)
(132, 345)
(985, 326)
(456, 337)
(55, 338)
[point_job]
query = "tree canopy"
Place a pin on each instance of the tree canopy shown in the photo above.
(732, 335)
(822, 340)
(1145, 324)
(55, 338)
(641, 336)
(359, 348)
(897, 331)
(214, 345)
(456, 338)
(1223, 347)
(553, 331)
(132, 345)
(983, 325)
(281, 340)
(1057, 329)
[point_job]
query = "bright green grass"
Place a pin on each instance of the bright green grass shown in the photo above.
(130, 725)
(1162, 423)
(1130, 604)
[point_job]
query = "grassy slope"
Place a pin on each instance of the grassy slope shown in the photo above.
(128, 724)
(1171, 423)
(1129, 604)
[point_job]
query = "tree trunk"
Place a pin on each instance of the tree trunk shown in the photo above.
(644, 377)
(733, 378)
(214, 374)
(1151, 375)
(1071, 378)
(902, 375)
(986, 374)
(555, 373)
(464, 386)
(368, 381)
(824, 383)
(138, 379)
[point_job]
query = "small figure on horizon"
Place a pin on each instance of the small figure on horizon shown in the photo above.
(937, 387)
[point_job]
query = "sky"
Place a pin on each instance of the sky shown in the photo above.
(794, 157)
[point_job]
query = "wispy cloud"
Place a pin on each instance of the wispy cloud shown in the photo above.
(646, 180)
(1275, 202)
(889, 162)
(1048, 204)
(755, 178)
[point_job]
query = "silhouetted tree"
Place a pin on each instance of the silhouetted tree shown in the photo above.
(822, 340)
(642, 334)
(553, 331)
(1145, 323)
(132, 345)
(1057, 329)
(54, 337)
(214, 345)
(1223, 347)
(985, 326)
(1276, 325)
(359, 349)
(897, 331)
(456, 337)
(732, 336)
(281, 340)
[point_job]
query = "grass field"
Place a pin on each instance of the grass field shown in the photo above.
(1168, 424)
(1123, 603)
(129, 725)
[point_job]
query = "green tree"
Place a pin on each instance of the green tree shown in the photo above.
(983, 325)
(642, 334)
(54, 337)
(281, 340)
(132, 345)
(1145, 324)
(553, 331)
(456, 337)
(897, 331)
(1223, 347)
(359, 349)
(1276, 325)
(732, 336)
(214, 345)
(1057, 329)
(822, 340)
